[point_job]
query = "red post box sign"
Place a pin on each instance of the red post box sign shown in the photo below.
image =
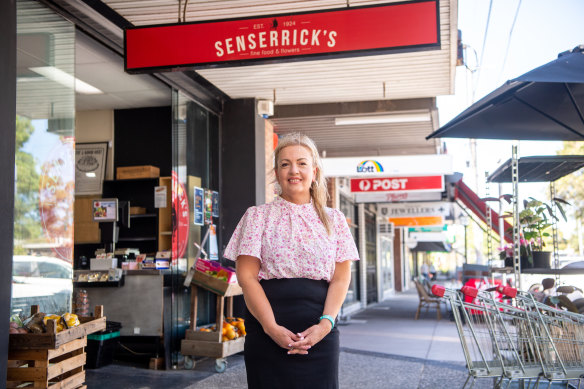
(398, 184)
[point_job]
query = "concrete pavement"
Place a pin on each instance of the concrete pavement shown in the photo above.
(381, 347)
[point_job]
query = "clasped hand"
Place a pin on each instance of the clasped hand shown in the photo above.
(301, 342)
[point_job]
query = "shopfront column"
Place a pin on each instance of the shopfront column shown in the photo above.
(363, 254)
(243, 162)
(7, 124)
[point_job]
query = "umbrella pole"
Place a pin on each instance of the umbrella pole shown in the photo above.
(516, 247)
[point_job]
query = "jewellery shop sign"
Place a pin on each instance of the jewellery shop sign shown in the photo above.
(334, 33)
(415, 214)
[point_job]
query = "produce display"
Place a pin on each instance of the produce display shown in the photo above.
(233, 328)
(214, 269)
(37, 323)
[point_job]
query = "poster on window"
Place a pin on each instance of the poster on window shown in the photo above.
(90, 160)
(198, 208)
(215, 204)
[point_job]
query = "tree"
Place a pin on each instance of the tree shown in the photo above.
(571, 187)
(26, 217)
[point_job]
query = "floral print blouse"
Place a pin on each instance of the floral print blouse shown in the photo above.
(291, 241)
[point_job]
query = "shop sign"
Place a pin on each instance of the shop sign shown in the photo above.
(406, 166)
(342, 32)
(415, 214)
(428, 229)
(398, 184)
(180, 222)
(198, 206)
(396, 197)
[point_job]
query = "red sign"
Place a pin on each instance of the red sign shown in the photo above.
(180, 218)
(353, 31)
(397, 184)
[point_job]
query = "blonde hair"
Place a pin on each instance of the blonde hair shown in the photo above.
(318, 190)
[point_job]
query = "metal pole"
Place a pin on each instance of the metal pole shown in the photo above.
(556, 252)
(465, 245)
(501, 220)
(516, 241)
(489, 224)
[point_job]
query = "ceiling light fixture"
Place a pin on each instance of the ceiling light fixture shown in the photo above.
(381, 119)
(65, 79)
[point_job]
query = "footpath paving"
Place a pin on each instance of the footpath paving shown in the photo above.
(381, 347)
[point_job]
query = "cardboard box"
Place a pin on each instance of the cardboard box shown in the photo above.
(131, 172)
(137, 210)
(214, 269)
(103, 264)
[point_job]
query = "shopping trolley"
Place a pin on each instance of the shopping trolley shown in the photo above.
(559, 336)
(508, 342)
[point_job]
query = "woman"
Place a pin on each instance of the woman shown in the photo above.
(293, 264)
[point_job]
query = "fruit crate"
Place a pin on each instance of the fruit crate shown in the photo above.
(209, 344)
(51, 360)
(215, 285)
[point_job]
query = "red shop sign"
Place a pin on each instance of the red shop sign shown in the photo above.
(398, 184)
(344, 32)
(180, 218)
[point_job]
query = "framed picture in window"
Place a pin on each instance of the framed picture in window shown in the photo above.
(90, 163)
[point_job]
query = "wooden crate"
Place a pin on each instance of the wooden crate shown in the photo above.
(132, 172)
(212, 349)
(216, 285)
(51, 360)
(53, 339)
(58, 368)
(209, 344)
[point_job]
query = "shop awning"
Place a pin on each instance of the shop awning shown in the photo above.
(470, 199)
(543, 104)
(540, 168)
(432, 246)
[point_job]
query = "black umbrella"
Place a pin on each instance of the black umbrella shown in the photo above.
(546, 103)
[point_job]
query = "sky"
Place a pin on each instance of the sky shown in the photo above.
(541, 31)
(521, 35)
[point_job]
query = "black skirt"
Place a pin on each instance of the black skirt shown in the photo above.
(297, 304)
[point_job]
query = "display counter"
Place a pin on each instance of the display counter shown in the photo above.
(139, 288)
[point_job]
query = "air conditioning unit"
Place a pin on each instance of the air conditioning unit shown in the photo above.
(385, 228)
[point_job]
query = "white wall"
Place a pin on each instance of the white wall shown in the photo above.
(97, 126)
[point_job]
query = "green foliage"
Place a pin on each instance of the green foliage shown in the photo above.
(536, 218)
(571, 187)
(26, 218)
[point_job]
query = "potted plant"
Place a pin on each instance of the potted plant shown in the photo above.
(535, 219)
(506, 254)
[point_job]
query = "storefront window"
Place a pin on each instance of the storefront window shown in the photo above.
(348, 208)
(386, 258)
(45, 171)
(195, 179)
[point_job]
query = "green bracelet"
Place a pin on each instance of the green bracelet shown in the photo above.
(329, 318)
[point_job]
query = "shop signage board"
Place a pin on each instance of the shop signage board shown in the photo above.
(385, 166)
(341, 32)
(395, 197)
(428, 229)
(90, 160)
(198, 205)
(415, 214)
(398, 184)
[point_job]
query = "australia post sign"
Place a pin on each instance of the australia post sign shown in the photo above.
(398, 184)
(351, 31)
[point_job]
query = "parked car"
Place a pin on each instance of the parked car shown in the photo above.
(44, 281)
